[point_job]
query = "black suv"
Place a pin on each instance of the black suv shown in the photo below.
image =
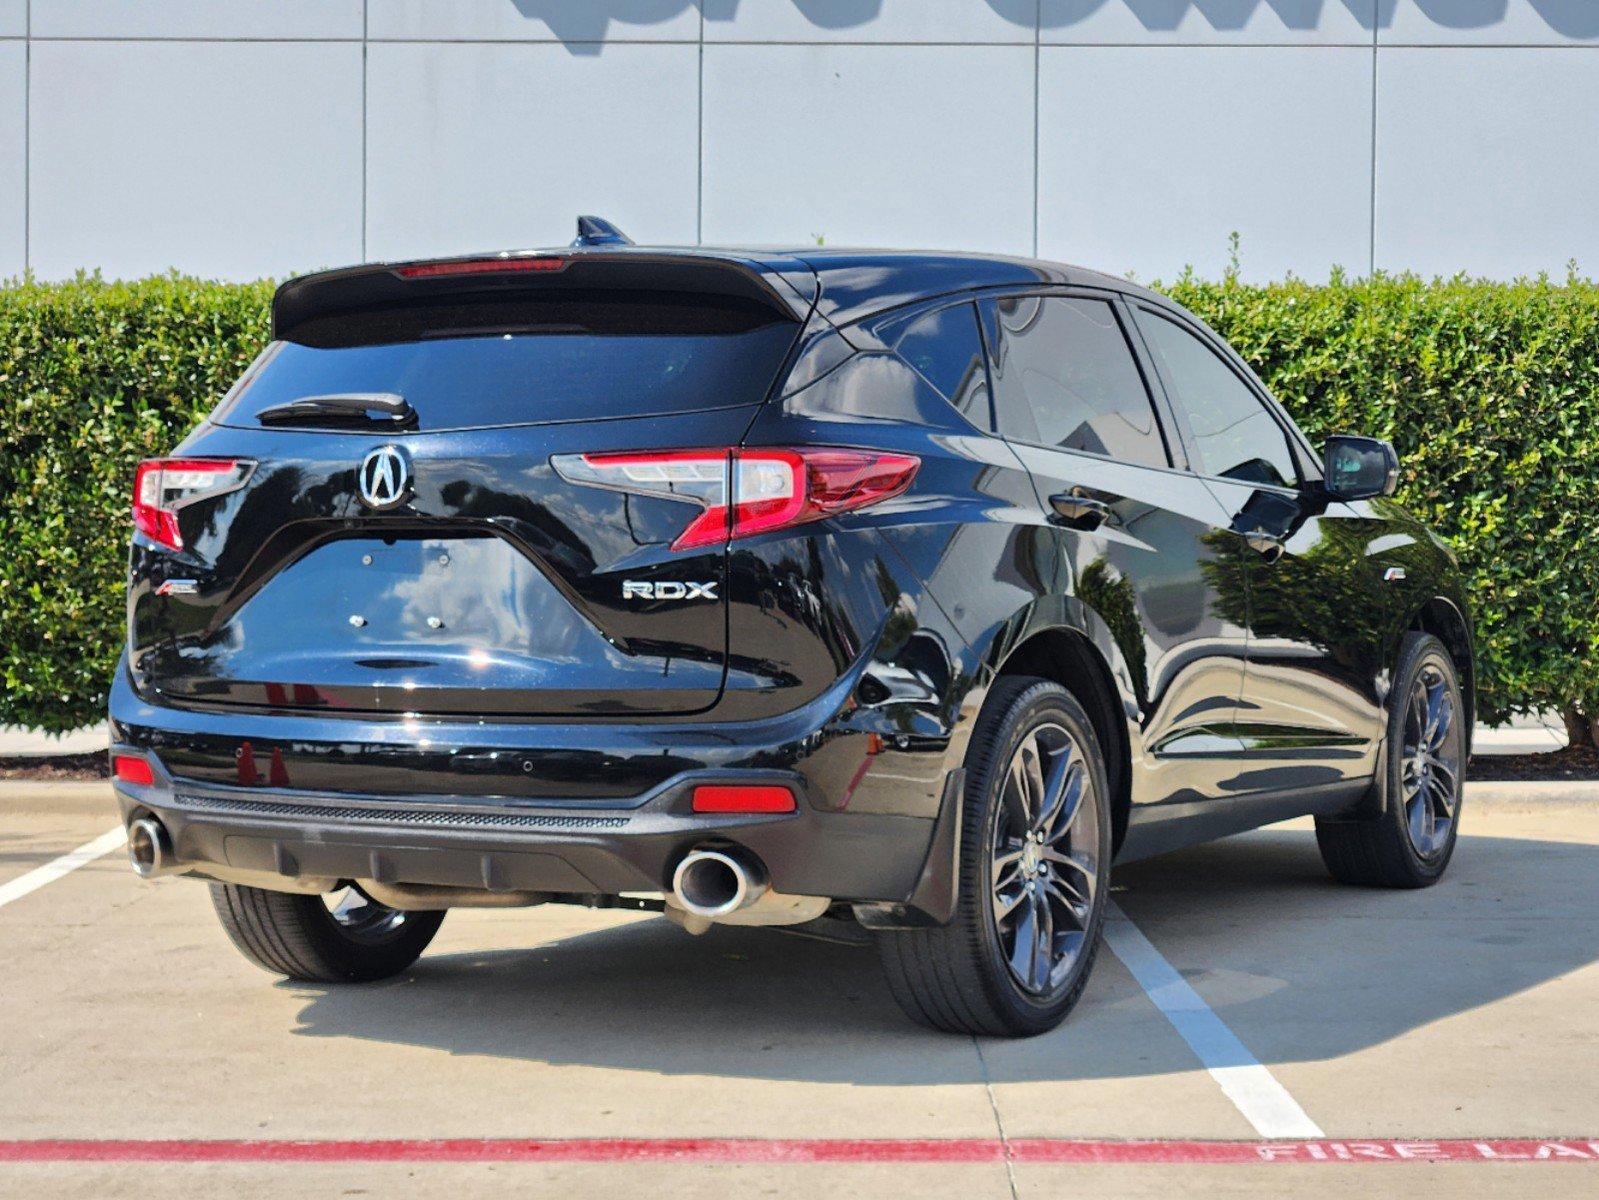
(763, 587)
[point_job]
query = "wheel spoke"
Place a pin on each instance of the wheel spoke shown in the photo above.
(1014, 794)
(1033, 774)
(1073, 873)
(1070, 944)
(1443, 775)
(1071, 804)
(1438, 796)
(1044, 941)
(1436, 712)
(1007, 869)
(1026, 937)
(1416, 809)
(1445, 720)
(1418, 718)
(1005, 902)
(1055, 789)
(1076, 906)
(361, 917)
(349, 902)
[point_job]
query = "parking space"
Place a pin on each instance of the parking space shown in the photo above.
(1466, 1011)
(45, 820)
(1451, 1012)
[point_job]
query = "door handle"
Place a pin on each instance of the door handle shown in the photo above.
(1264, 544)
(1077, 511)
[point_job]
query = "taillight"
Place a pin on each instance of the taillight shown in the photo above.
(770, 489)
(162, 486)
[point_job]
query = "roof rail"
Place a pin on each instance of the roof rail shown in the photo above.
(597, 231)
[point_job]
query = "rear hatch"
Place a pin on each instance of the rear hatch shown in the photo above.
(403, 530)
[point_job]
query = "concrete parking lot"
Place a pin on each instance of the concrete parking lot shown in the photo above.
(1458, 1022)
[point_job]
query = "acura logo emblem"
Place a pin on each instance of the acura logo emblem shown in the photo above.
(385, 477)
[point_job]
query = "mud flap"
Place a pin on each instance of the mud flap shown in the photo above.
(932, 901)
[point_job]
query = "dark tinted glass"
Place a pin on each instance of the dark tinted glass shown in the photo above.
(559, 362)
(1234, 436)
(1065, 376)
(946, 350)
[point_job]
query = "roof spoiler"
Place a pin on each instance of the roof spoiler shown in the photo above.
(328, 295)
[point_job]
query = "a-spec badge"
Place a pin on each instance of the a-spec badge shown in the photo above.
(668, 590)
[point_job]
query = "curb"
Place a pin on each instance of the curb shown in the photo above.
(1532, 791)
(17, 742)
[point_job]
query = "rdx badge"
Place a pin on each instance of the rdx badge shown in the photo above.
(634, 590)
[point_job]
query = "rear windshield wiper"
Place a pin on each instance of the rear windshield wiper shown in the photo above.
(343, 408)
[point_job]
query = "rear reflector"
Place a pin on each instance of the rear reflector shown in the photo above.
(129, 769)
(480, 266)
(742, 798)
(771, 488)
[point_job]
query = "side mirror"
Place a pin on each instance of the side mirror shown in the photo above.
(1358, 468)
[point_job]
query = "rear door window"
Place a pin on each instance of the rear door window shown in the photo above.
(1065, 376)
(475, 365)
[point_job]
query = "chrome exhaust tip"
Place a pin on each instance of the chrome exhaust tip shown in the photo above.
(715, 883)
(150, 848)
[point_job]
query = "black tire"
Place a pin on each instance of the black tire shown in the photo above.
(1380, 846)
(299, 937)
(958, 978)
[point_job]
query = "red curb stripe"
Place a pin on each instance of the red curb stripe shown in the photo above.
(510, 1150)
(795, 1150)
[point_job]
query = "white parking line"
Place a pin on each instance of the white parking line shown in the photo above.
(1253, 1089)
(35, 879)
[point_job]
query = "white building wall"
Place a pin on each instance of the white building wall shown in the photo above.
(239, 138)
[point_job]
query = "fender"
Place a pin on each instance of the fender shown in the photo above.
(932, 902)
(1065, 614)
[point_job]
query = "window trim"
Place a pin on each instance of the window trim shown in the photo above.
(1154, 395)
(1294, 440)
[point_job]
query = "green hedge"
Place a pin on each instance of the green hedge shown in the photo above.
(93, 377)
(1490, 391)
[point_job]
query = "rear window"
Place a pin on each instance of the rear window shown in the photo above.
(469, 365)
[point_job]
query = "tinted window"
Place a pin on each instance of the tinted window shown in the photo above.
(502, 365)
(1065, 376)
(945, 348)
(1234, 436)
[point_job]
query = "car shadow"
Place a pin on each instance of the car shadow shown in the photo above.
(1301, 969)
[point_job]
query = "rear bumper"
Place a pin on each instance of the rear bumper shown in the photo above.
(294, 840)
(588, 841)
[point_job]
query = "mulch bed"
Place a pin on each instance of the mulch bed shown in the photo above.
(1581, 763)
(57, 766)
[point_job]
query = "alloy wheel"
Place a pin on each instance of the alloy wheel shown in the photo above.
(1045, 860)
(1429, 775)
